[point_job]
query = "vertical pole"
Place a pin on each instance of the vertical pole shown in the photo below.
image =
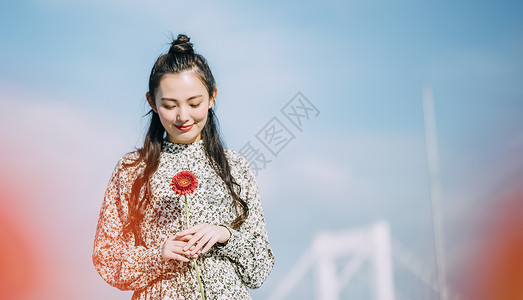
(433, 164)
(325, 276)
(383, 281)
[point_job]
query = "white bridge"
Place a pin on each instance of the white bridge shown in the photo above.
(355, 250)
(371, 243)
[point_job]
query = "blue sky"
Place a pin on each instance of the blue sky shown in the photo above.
(74, 76)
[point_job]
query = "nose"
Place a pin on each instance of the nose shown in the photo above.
(183, 115)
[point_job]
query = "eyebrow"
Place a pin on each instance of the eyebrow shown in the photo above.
(190, 98)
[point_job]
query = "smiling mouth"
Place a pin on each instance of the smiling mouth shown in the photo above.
(184, 127)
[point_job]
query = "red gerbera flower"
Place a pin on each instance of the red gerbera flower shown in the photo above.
(185, 182)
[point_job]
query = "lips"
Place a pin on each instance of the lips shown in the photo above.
(184, 127)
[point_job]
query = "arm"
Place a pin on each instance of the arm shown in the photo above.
(248, 247)
(115, 256)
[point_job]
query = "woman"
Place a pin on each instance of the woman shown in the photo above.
(142, 240)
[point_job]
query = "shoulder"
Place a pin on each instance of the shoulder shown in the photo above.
(129, 158)
(128, 163)
(240, 166)
(236, 160)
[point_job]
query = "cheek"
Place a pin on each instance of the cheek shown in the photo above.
(200, 114)
(165, 115)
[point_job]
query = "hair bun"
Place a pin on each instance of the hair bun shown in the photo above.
(181, 45)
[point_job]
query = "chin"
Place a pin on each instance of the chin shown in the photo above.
(183, 139)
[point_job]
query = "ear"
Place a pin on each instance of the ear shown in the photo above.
(151, 102)
(213, 97)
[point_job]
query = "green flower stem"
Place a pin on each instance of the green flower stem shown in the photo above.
(194, 259)
(198, 276)
(186, 213)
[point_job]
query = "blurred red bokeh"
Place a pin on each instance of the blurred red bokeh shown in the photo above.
(18, 265)
(494, 271)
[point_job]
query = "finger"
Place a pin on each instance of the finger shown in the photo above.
(171, 254)
(202, 242)
(176, 246)
(176, 243)
(184, 238)
(191, 230)
(180, 257)
(178, 250)
(187, 254)
(209, 244)
(185, 232)
(197, 236)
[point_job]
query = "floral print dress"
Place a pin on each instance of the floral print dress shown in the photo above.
(227, 271)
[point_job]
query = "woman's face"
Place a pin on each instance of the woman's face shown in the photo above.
(182, 102)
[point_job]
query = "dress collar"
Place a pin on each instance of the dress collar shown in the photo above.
(170, 147)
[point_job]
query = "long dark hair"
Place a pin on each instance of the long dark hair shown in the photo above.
(181, 57)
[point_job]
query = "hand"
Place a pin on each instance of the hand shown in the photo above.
(203, 235)
(173, 248)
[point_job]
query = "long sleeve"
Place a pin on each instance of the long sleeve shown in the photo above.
(248, 246)
(226, 271)
(115, 256)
